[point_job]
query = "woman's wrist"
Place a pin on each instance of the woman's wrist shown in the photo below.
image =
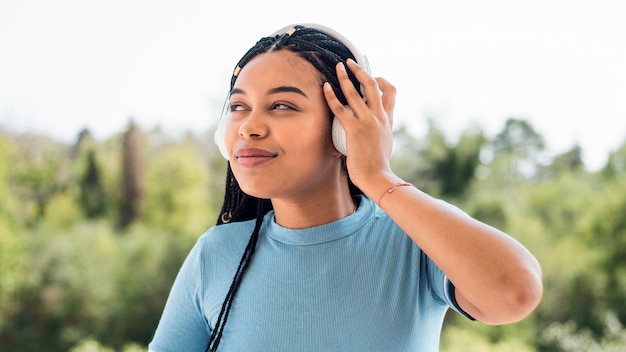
(391, 189)
(377, 186)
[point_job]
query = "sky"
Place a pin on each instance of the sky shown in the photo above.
(66, 65)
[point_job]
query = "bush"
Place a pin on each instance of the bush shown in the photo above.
(91, 283)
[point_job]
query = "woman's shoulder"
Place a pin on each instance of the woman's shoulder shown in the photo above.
(227, 234)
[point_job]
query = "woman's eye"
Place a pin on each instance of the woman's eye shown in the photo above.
(282, 106)
(236, 107)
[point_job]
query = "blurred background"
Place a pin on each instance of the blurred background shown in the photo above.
(515, 112)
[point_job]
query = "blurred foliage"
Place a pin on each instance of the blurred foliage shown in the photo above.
(71, 279)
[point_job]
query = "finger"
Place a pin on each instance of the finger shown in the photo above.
(335, 105)
(370, 86)
(354, 99)
(388, 96)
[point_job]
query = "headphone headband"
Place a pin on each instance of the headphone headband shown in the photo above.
(359, 58)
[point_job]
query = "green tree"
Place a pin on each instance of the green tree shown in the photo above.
(458, 169)
(607, 231)
(518, 136)
(520, 148)
(447, 170)
(39, 170)
(571, 160)
(92, 194)
(132, 179)
(616, 164)
(178, 194)
(407, 159)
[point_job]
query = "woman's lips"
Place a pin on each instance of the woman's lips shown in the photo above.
(251, 157)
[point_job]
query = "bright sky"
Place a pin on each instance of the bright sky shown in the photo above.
(69, 64)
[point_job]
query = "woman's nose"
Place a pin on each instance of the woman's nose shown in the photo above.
(254, 126)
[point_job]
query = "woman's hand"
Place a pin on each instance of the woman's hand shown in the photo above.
(369, 134)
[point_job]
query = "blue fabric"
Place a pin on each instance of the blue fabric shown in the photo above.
(357, 284)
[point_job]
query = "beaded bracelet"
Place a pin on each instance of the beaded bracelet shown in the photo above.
(393, 188)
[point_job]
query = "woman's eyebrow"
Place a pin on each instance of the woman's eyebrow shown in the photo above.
(283, 89)
(276, 90)
(237, 91)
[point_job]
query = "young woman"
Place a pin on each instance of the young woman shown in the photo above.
(320, 251)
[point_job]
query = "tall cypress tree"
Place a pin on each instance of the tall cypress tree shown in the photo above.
(92, 195)
(132, 177)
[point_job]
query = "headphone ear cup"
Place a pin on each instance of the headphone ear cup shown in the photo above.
(339, 136)
(339, 133)
(219, 141)
(219, 136)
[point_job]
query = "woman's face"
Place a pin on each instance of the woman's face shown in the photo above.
(278, 134)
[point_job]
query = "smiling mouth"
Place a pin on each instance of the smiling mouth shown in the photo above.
(253, 157)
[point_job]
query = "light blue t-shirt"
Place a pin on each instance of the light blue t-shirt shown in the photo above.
(356, 284)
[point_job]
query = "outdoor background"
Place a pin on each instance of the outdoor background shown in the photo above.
(109, 174)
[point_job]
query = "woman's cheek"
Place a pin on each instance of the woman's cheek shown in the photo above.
(230, 136)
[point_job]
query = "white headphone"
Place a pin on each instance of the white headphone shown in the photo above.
(338, 133)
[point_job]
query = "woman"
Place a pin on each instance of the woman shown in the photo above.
(320, 251)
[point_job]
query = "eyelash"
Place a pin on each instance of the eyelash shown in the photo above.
(275, 106)
(287, 106)
(234, 107)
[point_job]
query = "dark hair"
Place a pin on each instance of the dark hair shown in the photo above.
(324, 52)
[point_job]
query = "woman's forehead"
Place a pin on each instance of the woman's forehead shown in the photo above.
(279, 67)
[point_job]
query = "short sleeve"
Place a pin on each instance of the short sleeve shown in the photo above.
(183, 326)
(448, 288)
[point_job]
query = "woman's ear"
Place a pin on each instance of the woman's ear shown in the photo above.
(337, 154)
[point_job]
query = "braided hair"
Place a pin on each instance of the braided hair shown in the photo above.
(324, 52)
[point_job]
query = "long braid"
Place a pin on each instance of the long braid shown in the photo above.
(324, 53)
(216, 335)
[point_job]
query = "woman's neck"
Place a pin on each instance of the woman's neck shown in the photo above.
(314, 210)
